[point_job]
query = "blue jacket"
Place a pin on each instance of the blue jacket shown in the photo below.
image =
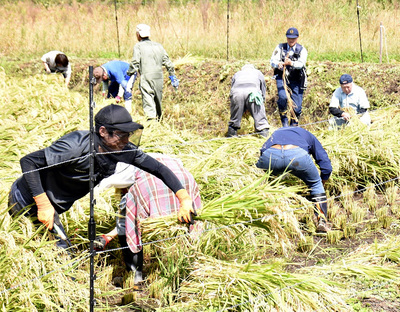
(307, 141)
(116, 71)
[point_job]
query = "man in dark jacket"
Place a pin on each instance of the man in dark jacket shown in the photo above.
(58, 175)
(291, 148)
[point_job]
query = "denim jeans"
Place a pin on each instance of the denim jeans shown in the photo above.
(296, 161)
(297, 96)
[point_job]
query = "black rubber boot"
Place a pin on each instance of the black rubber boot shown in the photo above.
(284, 120)
(321, 211)
(133, 261)
(232, 132)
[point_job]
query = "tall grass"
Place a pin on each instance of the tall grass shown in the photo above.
(329, 29)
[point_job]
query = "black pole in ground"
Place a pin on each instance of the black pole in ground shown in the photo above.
(92, 223)
(359, 30)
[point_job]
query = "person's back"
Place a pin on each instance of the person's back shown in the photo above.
(151, 57)
(248, 80)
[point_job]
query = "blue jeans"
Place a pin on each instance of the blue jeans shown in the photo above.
(297, 96)
(296, 161)
(113, 91)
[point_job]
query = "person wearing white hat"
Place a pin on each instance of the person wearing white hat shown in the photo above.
(148, 60)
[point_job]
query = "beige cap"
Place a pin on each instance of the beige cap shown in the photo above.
(143, 30)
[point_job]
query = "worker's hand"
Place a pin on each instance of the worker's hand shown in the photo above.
(100, 242)
(288, 62)
(117, 99)
(174, 81)
(46, 210)
(323, 182)
(186, 210)
(280, 65)
(346, 116)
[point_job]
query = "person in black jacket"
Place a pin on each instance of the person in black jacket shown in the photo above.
(56, 176)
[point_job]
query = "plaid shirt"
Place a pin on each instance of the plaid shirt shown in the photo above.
(150, 197)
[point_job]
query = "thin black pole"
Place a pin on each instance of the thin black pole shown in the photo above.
(92, 223)
(359, 30)
(227, 32)
(116, 22)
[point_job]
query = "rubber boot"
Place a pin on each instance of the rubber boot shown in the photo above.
(232, 132)
(284, 121)
(321, 211)
(133, 261)
(294, 123)
(128, 105)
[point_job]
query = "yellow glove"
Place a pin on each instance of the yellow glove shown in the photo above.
(46, 210)
(186, 210)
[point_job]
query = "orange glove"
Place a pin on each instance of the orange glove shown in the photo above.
(46, 210)
(186, 210)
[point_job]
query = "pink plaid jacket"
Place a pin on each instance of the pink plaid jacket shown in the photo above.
(150, 197)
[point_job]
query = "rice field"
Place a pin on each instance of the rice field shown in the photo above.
(255, 247)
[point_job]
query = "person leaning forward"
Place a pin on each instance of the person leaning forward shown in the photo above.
(248, 94)
(290, 149)
(115, 79)
(58, 175)
(57, 62)
(348, 100)
(148, 59)
(292, 57)
(147, 197)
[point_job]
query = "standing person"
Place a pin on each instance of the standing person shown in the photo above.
(292, 57)
(348, 100)
(289, 148)
(148, 59)
(248, 94)
(58, 175)
(57, 62)
(148, 197)
(114, 76)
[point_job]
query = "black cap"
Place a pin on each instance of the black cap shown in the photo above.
(116, 117)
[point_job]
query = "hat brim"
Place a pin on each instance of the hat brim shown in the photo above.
(127, 126)
(292, 36)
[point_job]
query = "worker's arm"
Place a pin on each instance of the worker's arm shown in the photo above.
(31, 165)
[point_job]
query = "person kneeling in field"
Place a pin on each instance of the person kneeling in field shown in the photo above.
(148, 197)
(289, 149)
(348, 100)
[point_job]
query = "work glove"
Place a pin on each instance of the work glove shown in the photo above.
(174, 81)
(46, 210)
(186, 210)
(130, 83)
(117, 99)
(100, 242)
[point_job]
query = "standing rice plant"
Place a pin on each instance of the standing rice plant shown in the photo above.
(370, 198)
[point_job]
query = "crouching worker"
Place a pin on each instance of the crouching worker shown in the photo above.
(56, 176)
(289, 148)
(148, 197)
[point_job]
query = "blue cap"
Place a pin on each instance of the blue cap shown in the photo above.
(292, 33)
(345, 78)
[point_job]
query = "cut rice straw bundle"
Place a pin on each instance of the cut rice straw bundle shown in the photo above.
(232, 286)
